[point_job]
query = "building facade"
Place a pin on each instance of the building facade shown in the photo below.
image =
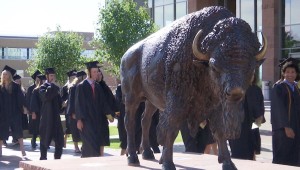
(277, 19)
(16, 51)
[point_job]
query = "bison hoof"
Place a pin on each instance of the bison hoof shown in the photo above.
(168, 166)
(228, 165)
(133, 160)
(148, 154)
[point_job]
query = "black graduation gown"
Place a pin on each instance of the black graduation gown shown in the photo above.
(13, 109)
(28, 97)
(285, 150)
(35, 106)
(121, 124)
(111, 101)
(50, 123)
(3, 121)
(92, 109)
(244, 147)
(64, 97)
(71, 110)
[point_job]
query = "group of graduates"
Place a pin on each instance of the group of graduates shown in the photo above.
(87, 102)
(89, 106)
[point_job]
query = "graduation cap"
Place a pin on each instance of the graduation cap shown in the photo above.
(80, 73)
(37, 72)
(289, 59)
(11, 70)
(41, 77)
(49, 70)
(92, 64)
(17, 77)
(71, 73)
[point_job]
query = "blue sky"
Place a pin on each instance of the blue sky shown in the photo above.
(35, 17)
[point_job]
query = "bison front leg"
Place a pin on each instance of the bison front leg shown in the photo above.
(146, 122)
(131, 106)
(224, 155)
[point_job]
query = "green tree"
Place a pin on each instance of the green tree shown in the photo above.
(121, 24)
(61, 50)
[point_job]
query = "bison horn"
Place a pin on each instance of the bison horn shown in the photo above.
(263, 50)
(197, 53)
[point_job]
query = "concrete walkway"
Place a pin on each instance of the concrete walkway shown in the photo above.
(12, 156)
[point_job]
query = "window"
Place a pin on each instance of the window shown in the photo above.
(166, 11)
(181, 9)
(290, 31)
(88, 53)
(15, 53)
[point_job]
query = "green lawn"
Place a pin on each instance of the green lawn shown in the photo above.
(115, 142)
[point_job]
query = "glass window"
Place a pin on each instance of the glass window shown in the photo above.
(180, 0)
(247, 12)
(15, 53)
(168, 2)
(287, 12)
(158, 16)
(295, 35)
(180, 9)
(259, 15)
(88, 53)
(295, 19)
(32, 53)
(168, 14)
(150, 4)
(20, 73)
(158, 2)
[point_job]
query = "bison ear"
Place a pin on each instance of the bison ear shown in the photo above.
(200, 63)
(259, 62)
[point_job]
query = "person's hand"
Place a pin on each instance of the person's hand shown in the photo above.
(25, 111)
(33, 116)
(203, 124)
(73, 116)
(289, 132)
(110, 118)
(259, 120)
(117, 114)
(65, 104)
(79, 125)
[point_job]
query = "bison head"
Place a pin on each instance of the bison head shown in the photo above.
(232, 54)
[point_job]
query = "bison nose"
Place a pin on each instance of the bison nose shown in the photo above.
(235, 94)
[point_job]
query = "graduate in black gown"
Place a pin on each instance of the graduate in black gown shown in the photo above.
(50, 122)
(138, 128)
(285, 117)
(70, 110)
(65, 95)
(28, 96)
(17, 79)
(91, 111)
(111, 101)
(35, 108)
(245, 146)
(12, 103)
(2, 123)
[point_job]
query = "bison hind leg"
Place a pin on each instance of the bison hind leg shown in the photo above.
(228, 165)
(168, 166)
(133, 160)
(150, 109)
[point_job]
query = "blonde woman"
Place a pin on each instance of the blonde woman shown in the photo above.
(12, 108)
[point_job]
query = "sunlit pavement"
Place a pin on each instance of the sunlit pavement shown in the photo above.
(12, 156)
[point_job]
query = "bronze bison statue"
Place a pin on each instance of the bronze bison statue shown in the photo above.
(197, 68)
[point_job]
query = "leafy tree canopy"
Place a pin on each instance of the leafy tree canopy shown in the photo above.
(60, 50)
(121, 24)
